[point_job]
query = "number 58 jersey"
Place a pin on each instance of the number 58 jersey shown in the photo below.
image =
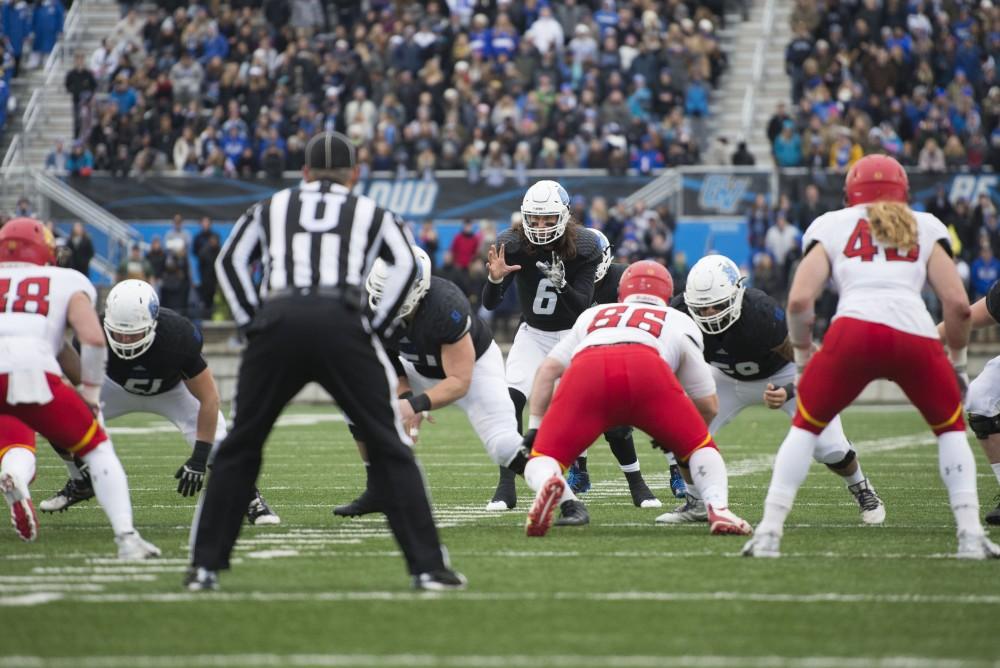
(878, 284)
(671, 333)
(34, 301)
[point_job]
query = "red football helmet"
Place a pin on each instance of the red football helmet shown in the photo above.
(27, 240)
(874, 178)
(646, 278)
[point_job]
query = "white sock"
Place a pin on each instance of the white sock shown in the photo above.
(671, 460)
(709, 474)
(996, 471)
(583, 455)
(854, 479)
(791, 466)
(19, 462)
(630, 468)
(110, 486)
(539, 469)
(958, 471)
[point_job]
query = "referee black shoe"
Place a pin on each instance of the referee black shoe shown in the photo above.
(201, 579)
(365, 504)
(443, 579)
(572, 513)
(993, 517)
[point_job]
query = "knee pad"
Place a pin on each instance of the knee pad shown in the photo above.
(984, 426)
(618, 433)
(843, 463)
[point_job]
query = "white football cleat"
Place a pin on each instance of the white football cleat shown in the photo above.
(692, 510)
(766, 545)
(497, 506)
(546, 501)
(651, 503)
(723, 521)
(976, 546)
(22, 511)
(872, 508)
(131, 547)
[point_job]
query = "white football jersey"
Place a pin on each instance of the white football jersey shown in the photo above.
(878, 284)
(34, 301)
(671, 333)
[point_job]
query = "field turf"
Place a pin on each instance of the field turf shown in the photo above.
(322, 591)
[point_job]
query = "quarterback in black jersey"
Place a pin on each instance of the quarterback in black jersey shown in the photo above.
(155, 366)
(554, 261)
(746, 343)
(983, 398)
(445, 354)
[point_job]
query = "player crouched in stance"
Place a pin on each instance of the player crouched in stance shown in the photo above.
(746, 344)
(156, 367)
(880, 254)
(639, 363)
(553, 260)
(36, 303)
(446, 355)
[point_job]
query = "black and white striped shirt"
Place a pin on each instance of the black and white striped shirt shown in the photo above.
(316, 235)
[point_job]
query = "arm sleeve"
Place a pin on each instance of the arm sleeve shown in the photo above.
(993, 301)
(394, 246)
(694, 374)
(773, 329)
(232, 267)
(493, 292)
(579, 294)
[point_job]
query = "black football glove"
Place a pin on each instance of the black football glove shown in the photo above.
(962, 375)
(529, 440)
(192, 474)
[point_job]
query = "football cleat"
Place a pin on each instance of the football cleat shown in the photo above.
(692, 510)
(872, 508)
(444, 579)
(579, 481)
(763, 545)
(642, 496)
(572, 513)
(539, 519)
(260, 514)
(201, 579)
(22, 511)
(677, 484)
(366, 504)
(505, 496)
(993, 517)
(722, 521)
(976, 546)
(72, 493)
(131, 547)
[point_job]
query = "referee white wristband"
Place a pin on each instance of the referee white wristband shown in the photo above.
(534, 422)
(490, 279)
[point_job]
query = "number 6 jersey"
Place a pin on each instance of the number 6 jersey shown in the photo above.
(878, 284)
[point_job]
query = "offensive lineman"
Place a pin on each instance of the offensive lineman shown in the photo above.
(554, 262)
(156, 367)
(446, 355)
(615, 359)
(746, 344)
(37, 302)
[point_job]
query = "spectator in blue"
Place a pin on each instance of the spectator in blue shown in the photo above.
(503, 38)
(16, 21)
(985, 271)
(646, 158)
(80, 161)
(4, 98)
(272, 139)
(606, 17)
(641, 99)
(758, 219)
(123, 95)
(696, 97)
(233, 143)
(967, 59)
(47, 24)
(215, 45)
(480, 36)
(788, 146)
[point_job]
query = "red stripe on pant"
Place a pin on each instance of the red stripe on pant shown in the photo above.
(610, 386)
(66, 421)
(856, 352)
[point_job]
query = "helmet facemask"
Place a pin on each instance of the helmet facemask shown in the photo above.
(718, 316)
(544, 212)
(375, 283)
(130, 343)
(130, 318)
(714, 293)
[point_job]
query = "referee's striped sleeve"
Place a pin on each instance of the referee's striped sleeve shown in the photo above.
(232, 267)
(393, 244)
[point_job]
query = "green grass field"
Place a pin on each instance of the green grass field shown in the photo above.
(320, 591)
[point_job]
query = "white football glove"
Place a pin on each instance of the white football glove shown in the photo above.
(554, 271)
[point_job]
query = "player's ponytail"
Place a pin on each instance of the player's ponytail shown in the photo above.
(893, 225)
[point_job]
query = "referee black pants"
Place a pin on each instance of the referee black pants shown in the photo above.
(291, 342)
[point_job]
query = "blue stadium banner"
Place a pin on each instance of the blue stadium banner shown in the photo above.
(722, 191)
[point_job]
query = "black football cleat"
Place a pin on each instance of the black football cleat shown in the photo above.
(993, 517)
(72, 493)
(366, 504)
(505, 496)
(444, 579)
(642, 496)
(572, 513)
(201, 579)
(259, 513)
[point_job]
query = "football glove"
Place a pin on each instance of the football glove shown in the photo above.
(529, 440)
(554, 271)
(962, 375)
(191, 476)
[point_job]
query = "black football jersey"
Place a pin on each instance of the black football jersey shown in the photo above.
(606, 290)
(541, 305)
(745, 351)
(444, 316)
(993, 301)
(174, 356)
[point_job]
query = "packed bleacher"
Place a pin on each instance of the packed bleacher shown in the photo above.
(28, 33)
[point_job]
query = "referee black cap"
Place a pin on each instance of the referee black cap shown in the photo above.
(330, 150)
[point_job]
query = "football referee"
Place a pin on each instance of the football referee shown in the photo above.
(308, 322)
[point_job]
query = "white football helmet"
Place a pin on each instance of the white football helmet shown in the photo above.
(714, 293)
(130, 318)
(375, 283)
(545, 212)
(606, 256)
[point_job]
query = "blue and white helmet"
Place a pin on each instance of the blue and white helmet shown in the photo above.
(130, 318)
(606, 257)
(714, 293)
(545, 212)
